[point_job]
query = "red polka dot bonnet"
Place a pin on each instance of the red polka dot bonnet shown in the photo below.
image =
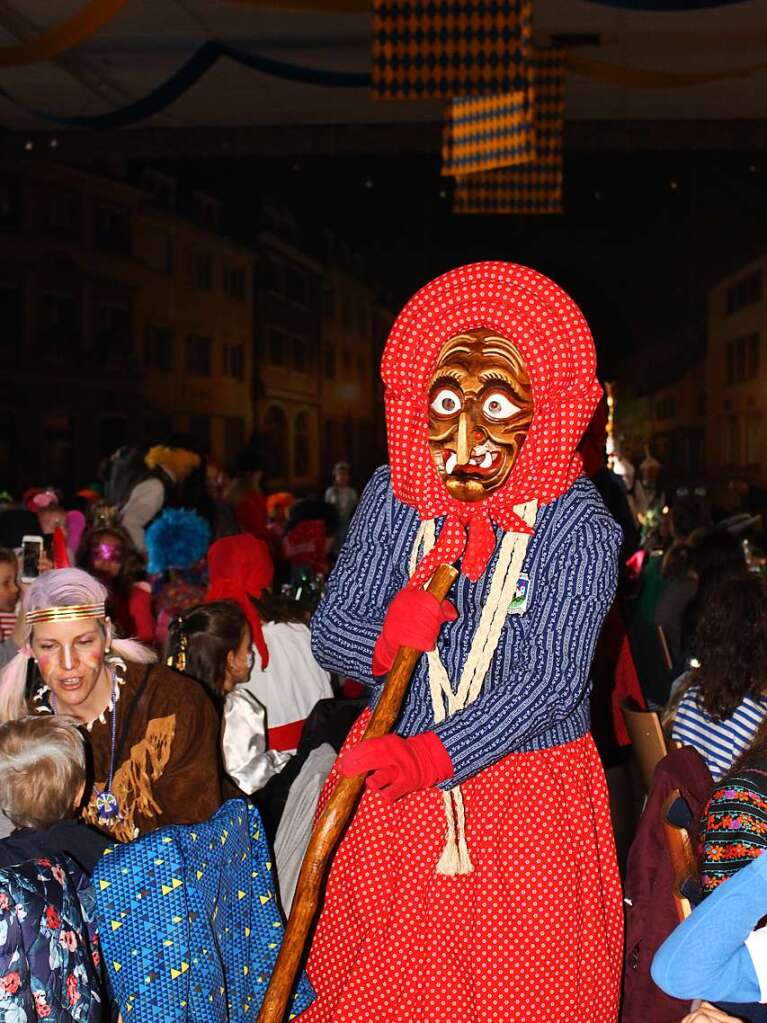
(552, 336)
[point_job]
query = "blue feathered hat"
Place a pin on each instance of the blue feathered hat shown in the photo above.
(179, 538)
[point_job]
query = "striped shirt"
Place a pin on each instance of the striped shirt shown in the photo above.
(7, 623)
(535, 694)
(720, 743)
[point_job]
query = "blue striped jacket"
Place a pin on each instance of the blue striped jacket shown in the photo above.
(535, 694)
(720, 743)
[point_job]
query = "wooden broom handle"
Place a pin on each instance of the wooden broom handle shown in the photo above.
(332, 822)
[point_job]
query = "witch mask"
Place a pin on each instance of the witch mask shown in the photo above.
(480, 409)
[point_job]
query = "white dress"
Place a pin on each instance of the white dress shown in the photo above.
(244, 743)
(291, 684)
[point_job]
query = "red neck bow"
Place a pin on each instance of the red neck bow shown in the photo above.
(553, 337)
(240, 567)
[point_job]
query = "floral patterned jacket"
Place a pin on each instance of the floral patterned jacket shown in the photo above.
(49, 954)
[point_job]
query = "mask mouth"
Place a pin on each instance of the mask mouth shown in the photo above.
(481, 464)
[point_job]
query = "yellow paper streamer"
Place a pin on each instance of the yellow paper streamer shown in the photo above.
(81, 26)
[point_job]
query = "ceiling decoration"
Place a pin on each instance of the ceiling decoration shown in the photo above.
(75, 30)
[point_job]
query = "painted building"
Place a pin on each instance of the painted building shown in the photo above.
(319, 331)
(661, 404)
(703, 408)
(350, 399)
(677, 426)
(286, 370)
(736, 437)
(118, 321)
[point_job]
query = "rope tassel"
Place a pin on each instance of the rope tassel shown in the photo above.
(455, 859)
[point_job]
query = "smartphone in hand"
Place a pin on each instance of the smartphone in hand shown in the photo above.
(31, 549)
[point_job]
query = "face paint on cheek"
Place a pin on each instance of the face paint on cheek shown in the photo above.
(109, 552)
(46, 665)
(92, 661)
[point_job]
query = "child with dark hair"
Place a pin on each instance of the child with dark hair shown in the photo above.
(108, 553)
(213, 644)
(9, 591)
(725, 699)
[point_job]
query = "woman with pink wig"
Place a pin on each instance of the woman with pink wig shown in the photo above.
(153, 734)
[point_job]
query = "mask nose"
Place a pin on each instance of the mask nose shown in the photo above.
(465, 444)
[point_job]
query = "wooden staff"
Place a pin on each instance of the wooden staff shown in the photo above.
(332, 822)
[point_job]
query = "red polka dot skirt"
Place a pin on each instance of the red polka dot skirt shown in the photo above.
(533, 935)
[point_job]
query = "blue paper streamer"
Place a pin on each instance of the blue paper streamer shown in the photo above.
(188, 75)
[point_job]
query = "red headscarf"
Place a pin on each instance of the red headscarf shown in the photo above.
(553, 338)
(240, 567)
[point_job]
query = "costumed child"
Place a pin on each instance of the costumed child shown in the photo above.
(176, 543)
(107, 552)
(213, 644)
(284, 679)
(9, 591)
(42, 784)
(477, 880)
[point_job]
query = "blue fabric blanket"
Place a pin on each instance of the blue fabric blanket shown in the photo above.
(189, 921)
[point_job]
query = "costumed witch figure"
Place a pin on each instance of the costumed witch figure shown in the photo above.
(478, 879)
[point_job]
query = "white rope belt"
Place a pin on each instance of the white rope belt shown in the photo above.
(445, 700)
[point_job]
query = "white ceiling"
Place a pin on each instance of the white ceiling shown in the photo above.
(149, 39)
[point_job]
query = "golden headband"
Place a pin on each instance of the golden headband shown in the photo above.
(72, 613)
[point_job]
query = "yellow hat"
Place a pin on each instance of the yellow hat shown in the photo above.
(178, 461)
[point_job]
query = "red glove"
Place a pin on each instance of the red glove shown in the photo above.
(413, 619)
(399, 766)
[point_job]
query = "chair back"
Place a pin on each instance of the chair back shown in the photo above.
(668, 664)
(647, 738)
(676, 819)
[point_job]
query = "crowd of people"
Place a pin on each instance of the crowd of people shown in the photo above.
(190, 659)
(694, 607)
(156, 664)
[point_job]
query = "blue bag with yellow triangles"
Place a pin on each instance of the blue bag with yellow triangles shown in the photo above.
(189, 922)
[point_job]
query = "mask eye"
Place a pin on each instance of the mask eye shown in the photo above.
(498, 406)
(446, 402)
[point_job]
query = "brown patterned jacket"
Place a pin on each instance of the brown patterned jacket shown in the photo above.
(167, 765)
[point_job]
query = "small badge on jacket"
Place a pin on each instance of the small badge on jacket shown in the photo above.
(518, 604)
